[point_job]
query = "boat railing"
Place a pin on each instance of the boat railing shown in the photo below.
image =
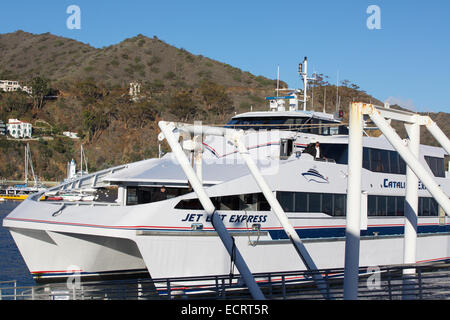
(429, 281)
(83, 203)
(77, 183)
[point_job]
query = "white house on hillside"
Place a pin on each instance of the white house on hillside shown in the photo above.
(10, 86)
(19, 129)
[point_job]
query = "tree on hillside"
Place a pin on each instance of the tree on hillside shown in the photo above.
(182, 105)
(88, 91)
(216, 98)
(94, 122)
(146, 112)
(14, 104)
(41, 88)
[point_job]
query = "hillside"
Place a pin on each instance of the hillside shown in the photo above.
(86, 92)
(23, 55)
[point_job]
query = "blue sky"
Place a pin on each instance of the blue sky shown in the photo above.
(406, 61)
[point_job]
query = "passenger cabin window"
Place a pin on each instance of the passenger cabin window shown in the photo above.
(336, 152)
(141, 195)
(436, 165)
(286, 148)
(386, 161)
(249, 202)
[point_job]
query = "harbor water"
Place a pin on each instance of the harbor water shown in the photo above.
(12, 266)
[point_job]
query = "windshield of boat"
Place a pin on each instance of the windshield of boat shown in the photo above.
(300, 124)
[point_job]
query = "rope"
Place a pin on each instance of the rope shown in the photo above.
(232, 255)
(252, 243)
(232, 258)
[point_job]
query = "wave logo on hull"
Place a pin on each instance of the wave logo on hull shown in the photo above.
(314, 175)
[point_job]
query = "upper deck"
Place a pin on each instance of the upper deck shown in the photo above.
(319, 123)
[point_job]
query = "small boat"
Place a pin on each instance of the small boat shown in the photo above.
(21, 192)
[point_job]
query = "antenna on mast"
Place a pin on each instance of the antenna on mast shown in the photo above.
(337, 92)
(278, 79)
(303, 71)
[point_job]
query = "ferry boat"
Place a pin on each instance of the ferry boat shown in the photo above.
(146, 221)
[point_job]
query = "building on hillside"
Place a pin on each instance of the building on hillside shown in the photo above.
(135, 91)
(72, 135)
(2, 128)
(19, 129)
(10, 86)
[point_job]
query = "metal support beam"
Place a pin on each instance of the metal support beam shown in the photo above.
(438, 134)
(409, 158)
(207, 204)
(411, 206)
(236, 139)
(352, 231)
(411, 199)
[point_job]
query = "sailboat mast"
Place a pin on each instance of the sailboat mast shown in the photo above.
(81, 159)
(26, 165)
(29, 162)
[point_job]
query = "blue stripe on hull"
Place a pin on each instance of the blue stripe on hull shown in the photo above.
(371, 231)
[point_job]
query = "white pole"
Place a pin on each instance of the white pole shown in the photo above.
(210, 210)
(410, 160)
(305, 82)
(438, 134)
(337, 91)
(411, 205)
(278, 79)
(81, 159)
(352, 231)
(198, 149)
(198, 165)
(198, 158)
(26, 164)
(30, 162)
(279, 212)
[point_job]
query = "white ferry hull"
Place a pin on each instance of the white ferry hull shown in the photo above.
(54, 254)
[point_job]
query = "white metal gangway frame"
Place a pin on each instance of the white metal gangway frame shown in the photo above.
(171, 132)
(409, 151)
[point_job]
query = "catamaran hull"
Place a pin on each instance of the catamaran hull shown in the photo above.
(56, 255)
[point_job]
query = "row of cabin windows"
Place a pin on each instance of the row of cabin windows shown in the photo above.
(250, 202)
(330, 204)
(335, 204)
(379, 160)
(395, 206)
(306, 125)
